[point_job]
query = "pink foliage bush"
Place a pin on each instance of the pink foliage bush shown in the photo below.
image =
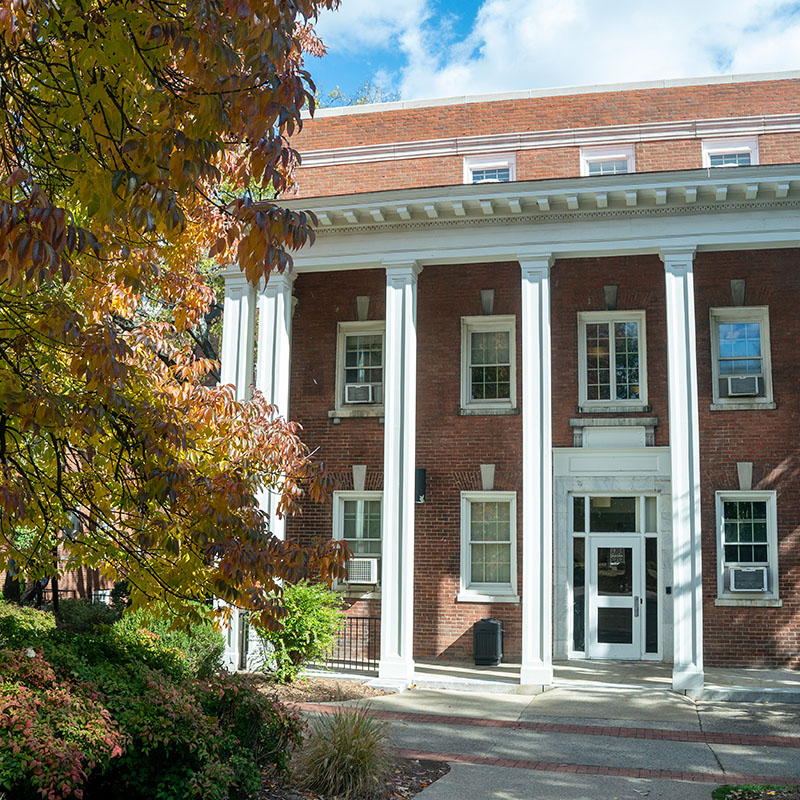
(53, 732)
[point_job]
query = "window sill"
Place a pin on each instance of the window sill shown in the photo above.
(743, 406)
(467, 596)
(615, 409)
(359, 591)
(482, 411)
(364, 412)
(743, 602)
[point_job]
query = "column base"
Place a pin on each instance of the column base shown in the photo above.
(396, 669)
(687, 678)
(539, 673)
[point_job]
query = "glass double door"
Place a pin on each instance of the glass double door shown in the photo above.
(615, 592)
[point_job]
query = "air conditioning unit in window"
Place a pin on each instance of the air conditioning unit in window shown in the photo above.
(748, 579)
(362, 570)
(743, 385)
(358, 393)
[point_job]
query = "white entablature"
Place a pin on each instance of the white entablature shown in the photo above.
(719, 209)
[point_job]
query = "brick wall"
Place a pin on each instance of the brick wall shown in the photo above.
(548, 113)
(740, 636)
(577, 285)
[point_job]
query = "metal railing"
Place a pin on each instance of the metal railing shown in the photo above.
(357, 648)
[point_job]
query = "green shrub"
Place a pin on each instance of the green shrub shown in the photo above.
(116, 711)
(308, 630)
(199, 645)
(345, 755)
(80, 615)
(21, 626)
(257, 731)
(174, 751)
(53, 732)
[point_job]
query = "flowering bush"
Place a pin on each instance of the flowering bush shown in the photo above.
(53, 732)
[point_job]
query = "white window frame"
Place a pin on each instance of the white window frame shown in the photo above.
(487, 592)
(732, 314)
(339, 499)
(345, 329)
(506, 323)
(724, 595)
(590, 317)
(591, 155)
(490, 161)
(719, 147)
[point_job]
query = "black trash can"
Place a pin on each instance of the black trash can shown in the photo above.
(487, 638)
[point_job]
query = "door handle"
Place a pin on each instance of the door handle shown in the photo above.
(636, 606)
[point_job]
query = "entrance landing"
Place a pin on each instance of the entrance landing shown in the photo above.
(752, 684)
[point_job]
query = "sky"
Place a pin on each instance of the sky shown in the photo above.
(440, 48)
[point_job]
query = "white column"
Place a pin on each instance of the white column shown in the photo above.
(236, 367)
(400, 403)
(238, 333)
(537, 474)
(273, 367)
(687, 590)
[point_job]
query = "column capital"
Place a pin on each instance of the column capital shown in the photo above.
(401, 268)
(534, 262)
(279, 282)
(678, 257)
(234, 277)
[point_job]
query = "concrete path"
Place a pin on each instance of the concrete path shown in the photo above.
(593, 743)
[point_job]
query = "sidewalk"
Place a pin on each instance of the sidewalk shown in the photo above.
(592, 743)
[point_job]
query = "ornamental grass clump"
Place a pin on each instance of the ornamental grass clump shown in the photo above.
(345, 755)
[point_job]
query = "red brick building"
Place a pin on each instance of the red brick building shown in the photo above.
(576, 312)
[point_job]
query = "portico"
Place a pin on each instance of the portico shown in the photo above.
(541, 226)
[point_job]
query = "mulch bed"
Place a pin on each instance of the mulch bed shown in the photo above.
(322, 690)
(758, 793)
(408, 778)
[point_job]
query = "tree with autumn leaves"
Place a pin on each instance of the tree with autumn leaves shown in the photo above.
(134, 135)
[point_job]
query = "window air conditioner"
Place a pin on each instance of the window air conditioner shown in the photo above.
(362, 570)
(358, 393)
(743, 386)
(748, 579)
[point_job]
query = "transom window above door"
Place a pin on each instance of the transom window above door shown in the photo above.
(612, 360)
(612, 514)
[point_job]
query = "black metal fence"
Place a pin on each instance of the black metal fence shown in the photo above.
(358, 647)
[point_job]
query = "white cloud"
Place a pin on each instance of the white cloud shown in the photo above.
(521, 44)
(360, 24)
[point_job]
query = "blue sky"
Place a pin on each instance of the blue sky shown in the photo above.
(438, 48)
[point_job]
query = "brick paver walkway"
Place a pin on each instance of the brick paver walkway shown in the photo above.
(582, 730)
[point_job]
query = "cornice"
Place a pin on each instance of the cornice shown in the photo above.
(706, 191)
(570, 137)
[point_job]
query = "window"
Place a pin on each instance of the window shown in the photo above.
(612, 359)
(730, 152)
(498, 168)
(357, 521)
(741, 357)
(102, 596)
(488, 362)
(747, 546)
(607, 160)
(488, 547)
(359, 368)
